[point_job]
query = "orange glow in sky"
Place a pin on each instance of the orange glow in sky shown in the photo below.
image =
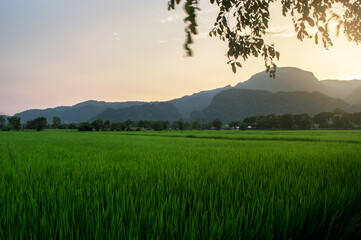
(64, 52)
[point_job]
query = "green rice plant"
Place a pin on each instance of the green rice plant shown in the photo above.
(223, 185)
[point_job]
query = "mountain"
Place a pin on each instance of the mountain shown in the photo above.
(355, 96)
(85, 110)
(196, 101)
(5, 118)
(77, 113)
(342, 88)
(147, 111)
(237, 104)
(288, 79)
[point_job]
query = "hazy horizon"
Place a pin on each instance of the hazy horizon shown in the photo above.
(66, 52)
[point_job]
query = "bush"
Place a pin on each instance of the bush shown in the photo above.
(5, 128)
(85, 126)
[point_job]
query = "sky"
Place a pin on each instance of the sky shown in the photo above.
(62, 52)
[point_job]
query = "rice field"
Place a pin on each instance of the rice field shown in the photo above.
(180, 185)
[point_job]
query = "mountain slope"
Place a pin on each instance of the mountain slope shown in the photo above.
(343, 88)
(147, 111)
(354, 97)
(196, 101)
(85, 110)
(76, 113)
(237, 104)
(288, 79)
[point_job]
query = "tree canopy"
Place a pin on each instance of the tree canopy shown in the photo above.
(245, 35)
(14, 123)
(2, 121)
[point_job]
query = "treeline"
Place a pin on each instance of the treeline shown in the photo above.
(338, 119)
(39, 124)
(129, 125)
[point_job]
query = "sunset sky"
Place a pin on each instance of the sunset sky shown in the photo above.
(61, 52)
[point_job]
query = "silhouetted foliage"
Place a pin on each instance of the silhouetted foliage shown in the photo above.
(341, 119)
(287, 121)
(129, 125)
(262, 123)
(106, 125)
(303, 121)
(338, 119)
(238, 125)
(14, 123)
(6, 128)
(2, 121)
(273, 121)
(355, 118)
(56, 122)
(40, 123)
(217, 124)
(145, 124)
(244, 23)
(97, 124)
(180, 125)
(323, 119)
(250, 121)
(160, 125)
(72, 126)
(85, 126)
(234, 124)
(117, 126)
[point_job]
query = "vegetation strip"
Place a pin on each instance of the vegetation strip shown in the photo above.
(244, 138)
(73, 185)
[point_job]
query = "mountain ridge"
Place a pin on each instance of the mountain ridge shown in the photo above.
(261, 102)
(147, 111)
(288, 79)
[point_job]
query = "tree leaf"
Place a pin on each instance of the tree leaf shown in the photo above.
(310, 21)
(277, 55)
(234, 69)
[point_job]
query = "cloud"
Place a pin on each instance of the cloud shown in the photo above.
(287, 32)
(170, 40)
(171, 18)
(209, 10)
(201, 35)
(281, 32)
(115, 37)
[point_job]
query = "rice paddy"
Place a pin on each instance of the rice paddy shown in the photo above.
(180, 185)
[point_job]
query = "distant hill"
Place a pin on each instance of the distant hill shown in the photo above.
(86, 110)
(6, 118)
(354, 97)
(343, 88)
(147, 111)
(237, 104)
(196, 101)
(76, 113)
(355, 108)
(288, 79)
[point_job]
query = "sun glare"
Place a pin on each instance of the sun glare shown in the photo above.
(353, 77)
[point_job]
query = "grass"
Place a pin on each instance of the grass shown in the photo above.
(176, 185)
